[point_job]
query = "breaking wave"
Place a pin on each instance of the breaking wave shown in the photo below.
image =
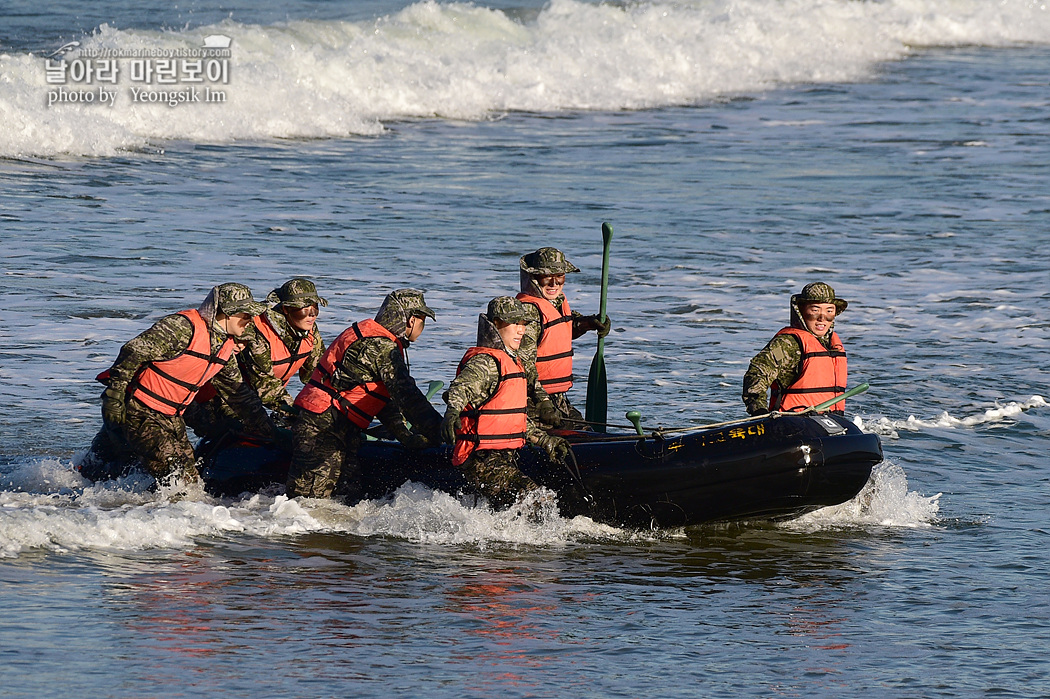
(324, 79)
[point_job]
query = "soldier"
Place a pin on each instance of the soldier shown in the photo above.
(158, 374)
(363, 374)
(278, 344)
(486, 417)
(550, 328)
(804, 364)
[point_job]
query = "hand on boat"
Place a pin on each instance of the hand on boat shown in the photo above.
(556, 447)
(415, 441)
(283, 415)
(548, 414)
(282, 439)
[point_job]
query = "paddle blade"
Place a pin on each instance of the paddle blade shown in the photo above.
(597, 394)
(597, 388)
(433, 387)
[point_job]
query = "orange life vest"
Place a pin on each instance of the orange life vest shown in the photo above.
(360, 403)
(169, 385)
(822, 374)
(285, 364)
(554, 349)
(499, 422)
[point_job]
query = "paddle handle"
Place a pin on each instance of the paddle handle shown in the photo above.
(597, 389)
(856, 390)
(607, 232)
(636, 419)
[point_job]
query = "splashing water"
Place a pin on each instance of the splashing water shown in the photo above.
(48, 505)
(884, 501)
(888, 427)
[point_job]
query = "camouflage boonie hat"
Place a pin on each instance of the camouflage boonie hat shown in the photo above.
(231, 299)
(819, 292)
(412, 301)
(507, 309)
(296, 293)
(546, 261)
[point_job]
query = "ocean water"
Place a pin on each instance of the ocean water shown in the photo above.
(898, 150)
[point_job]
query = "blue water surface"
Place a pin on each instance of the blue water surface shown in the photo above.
(919, 192)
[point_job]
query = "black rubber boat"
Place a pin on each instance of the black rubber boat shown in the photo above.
(774, 467)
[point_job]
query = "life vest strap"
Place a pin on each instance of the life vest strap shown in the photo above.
(552, 357)
(212, 358)
(477, 439)
(474, 412)
(344, 403)
(165, 375)
(818, 389)
(291, 359)
(557, 321)
(179, 407)
(829, 353)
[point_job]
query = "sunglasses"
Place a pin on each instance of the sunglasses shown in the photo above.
(304, 312)
(552, 280)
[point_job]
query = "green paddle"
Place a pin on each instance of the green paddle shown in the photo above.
(597, 386)
(832, 401)
(636, 419)
(433, 387)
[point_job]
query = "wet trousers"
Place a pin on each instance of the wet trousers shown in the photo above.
(494, 474)
(324, 457)
(148, 439)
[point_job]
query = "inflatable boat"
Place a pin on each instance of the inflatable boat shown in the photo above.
(774, 467)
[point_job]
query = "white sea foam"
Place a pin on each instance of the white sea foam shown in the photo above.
(46, 505)
(885, 501)
(313, 79)
(889, 427)
(418, 513)
(49, 506)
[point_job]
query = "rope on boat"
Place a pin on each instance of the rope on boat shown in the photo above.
(574, 471)
(660, 431)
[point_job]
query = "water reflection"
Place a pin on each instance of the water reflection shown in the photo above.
(510, 626)
(494, 620)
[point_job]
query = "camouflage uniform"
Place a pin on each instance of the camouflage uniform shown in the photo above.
(135, 433)
(494, 473)
(324, 456)
(544, 262)
(780, 360)
(214, 417)
(257, 360)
